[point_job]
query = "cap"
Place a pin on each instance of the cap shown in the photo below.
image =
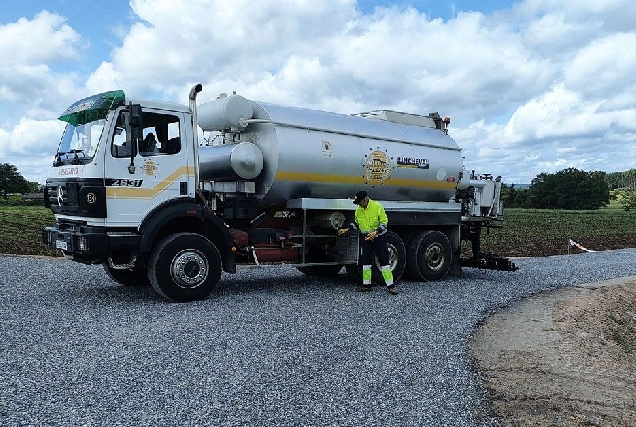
(360, 195)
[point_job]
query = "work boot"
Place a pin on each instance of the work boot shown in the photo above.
(363, 288)
(391, 289)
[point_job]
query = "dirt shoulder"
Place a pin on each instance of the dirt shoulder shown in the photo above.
(563, 358)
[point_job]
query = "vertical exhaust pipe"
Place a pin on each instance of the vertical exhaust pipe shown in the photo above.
(195, 138)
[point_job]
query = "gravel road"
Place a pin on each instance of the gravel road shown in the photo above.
(270, 347)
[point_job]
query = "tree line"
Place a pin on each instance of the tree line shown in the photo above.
(572, 188)
(622, 180)
(12, 182)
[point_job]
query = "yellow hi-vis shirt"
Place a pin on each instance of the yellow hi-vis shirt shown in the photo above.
(369, 219)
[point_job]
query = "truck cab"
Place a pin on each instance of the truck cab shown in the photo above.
(110, 172)
(121, 176)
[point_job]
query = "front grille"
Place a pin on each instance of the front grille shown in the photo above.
(72, 193)
(71, 197)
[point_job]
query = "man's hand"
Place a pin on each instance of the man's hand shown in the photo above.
(343, 231)
(372, 235)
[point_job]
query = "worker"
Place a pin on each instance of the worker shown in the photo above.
(371, 221)
(148, 145)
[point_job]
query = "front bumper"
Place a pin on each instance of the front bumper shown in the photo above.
(89, 245)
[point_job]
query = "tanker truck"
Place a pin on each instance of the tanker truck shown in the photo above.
(132, 188)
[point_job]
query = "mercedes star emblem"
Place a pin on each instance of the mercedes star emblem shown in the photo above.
(60, 196)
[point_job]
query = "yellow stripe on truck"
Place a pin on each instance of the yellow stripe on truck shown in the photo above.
(359, 180)
(148, 193)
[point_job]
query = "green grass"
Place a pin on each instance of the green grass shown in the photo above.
(622, 341)
(21, 230)
(546, 232)
(561, 222)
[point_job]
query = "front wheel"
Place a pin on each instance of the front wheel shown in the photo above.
(185, 267)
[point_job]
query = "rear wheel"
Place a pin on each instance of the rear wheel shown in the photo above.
(397, 262)
(185, 267)
(429, 256)
(128, 277)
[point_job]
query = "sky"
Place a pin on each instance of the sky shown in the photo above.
(531, 86)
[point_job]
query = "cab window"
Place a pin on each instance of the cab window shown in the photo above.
(161, 135)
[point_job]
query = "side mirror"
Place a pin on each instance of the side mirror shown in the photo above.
(136, 124)
(134, 128)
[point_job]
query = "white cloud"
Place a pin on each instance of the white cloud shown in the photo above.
(604, 67)
(29, 49)
(536, 87)
(32, 93)
(30, 145)
(45, 39)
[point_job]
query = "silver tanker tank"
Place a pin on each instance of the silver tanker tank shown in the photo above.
(294, 152)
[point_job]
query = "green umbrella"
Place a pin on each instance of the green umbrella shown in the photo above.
(93, 108)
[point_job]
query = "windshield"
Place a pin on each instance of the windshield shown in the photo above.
(79, 143)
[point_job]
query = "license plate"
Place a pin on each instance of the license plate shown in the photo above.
(61, 244)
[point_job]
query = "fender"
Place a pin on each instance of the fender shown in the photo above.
(188, 209)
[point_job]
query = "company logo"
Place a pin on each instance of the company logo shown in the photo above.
(91, 198)
(69, 171)
(377, 168)
(60, 196)
(412, 162)
(326, 149)
(150, 168)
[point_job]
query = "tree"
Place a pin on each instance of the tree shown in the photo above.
(521, 199)
(508, 194)
(625, 179)
(614, 180)
(11, 181)
(568, 189)
(513, 197)
(626, 197)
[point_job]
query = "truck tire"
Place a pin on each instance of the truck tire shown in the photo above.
(429, 256)
(320, 270)
(134, 277)
(397, 261)
(185, 267)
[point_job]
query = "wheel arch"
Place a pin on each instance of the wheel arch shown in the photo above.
(184, 215)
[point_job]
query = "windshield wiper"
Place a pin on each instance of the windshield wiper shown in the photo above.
(76, 159)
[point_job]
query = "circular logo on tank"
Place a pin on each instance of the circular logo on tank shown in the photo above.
(378, 168)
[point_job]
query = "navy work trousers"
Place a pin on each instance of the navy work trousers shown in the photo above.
(377, 246)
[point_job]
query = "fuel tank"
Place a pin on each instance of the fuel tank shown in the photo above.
(317, 154)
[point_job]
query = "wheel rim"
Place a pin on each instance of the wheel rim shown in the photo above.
(393, 257)
(434, 257)
(189, 268)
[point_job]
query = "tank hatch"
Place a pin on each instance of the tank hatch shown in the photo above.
(399, 117)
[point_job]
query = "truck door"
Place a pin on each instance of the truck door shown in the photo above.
(158, 172)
